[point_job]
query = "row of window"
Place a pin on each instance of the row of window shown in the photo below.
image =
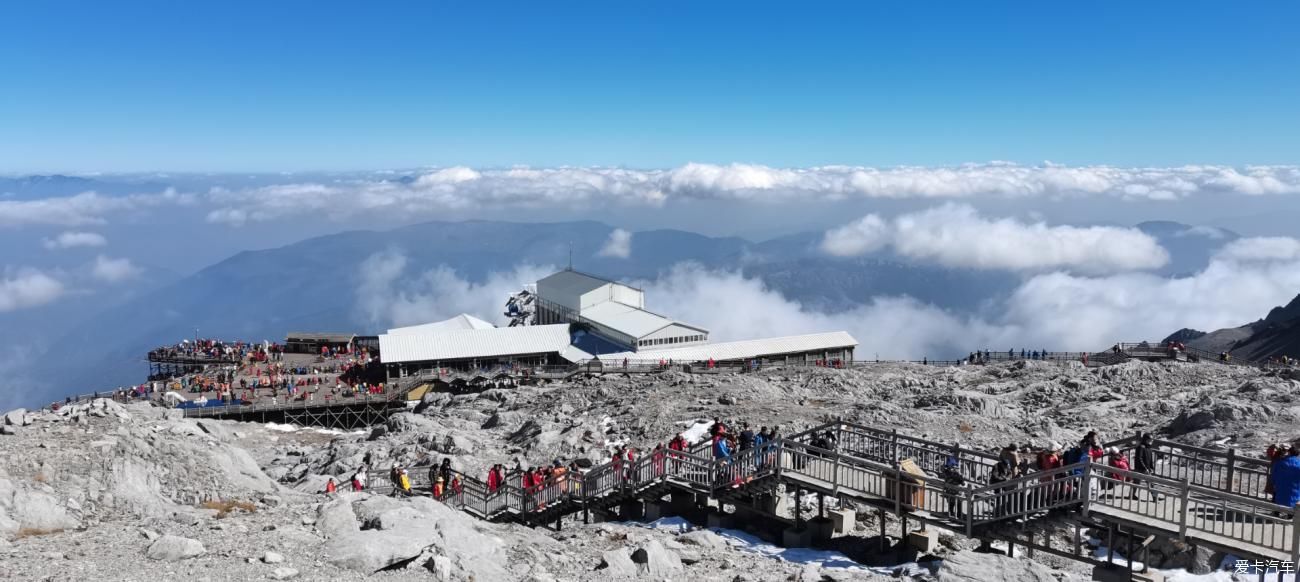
(670, 340)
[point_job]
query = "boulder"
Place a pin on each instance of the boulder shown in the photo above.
(16, 417)
(652, 559)
(703, 538)
(976, 567)
(284, 573)
(272, 558)
(214, 428)
(616, 563)
(38, 511)
(8, 429)
(172, 548)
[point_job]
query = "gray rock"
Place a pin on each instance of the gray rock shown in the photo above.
(810, 573)
(703, 538)
(652, 559)
(616, 563)
(172, 548)
(975, 567)
(272, 558)
(38, 511)
(8, 430)
(284, 573)
(16, 417)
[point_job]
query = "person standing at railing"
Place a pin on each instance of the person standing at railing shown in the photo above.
(676, 447)
(495, 477)
(953, 482)
(1285, 477)
(1144, 461)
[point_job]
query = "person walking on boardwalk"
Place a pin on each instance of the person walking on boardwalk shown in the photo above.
(1144, 461)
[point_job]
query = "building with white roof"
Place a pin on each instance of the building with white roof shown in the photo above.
(537, 345)
(460, 322)
(801, 349)
(579, 318)
(614, 311)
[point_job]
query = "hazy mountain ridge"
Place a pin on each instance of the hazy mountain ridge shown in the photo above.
(1277, 334)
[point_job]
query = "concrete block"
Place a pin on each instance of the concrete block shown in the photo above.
(821, 529)
(924, 541)
(843, 520)
(796, 538)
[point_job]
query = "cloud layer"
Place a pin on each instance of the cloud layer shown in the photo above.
(459, 187)
(462, 187)
(28, 288)
(73, 239)
(82, 209)
(111, 270)
(955, 235)
(390, 296)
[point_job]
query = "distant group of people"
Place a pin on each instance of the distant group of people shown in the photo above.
(986, 356)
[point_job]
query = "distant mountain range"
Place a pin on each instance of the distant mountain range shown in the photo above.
(1278, 334)
(315, 284)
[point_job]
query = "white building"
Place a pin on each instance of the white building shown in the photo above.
(408, 353)
(611, 310)
(832, 347)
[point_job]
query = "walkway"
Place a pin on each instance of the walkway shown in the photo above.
(1249, 527)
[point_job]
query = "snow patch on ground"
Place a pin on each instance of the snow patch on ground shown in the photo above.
(697, 432)
(746, 542)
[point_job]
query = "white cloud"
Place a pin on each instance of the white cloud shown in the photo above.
(391, 297)
(734, 307)
(864, 235)
(619, 245)
(1272, 248)
(81, 209)
(28, 288)
(462, 187)
(955, 235)
(72, 239)
(113, 270)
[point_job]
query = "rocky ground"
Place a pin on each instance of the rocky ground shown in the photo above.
(137, 493)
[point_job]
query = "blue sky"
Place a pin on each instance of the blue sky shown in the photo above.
(269, 86)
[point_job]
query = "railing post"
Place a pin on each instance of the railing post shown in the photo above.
(1232, 469)
(969, 494)
(1085, 486)
(1182, 509)
(1295, 534)
(835, 475)
(893, 446)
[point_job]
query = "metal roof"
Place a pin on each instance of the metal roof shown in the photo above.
(575, 283)
(312, 336)
(460, 322)
(473, 343)
(632, 321)
(745, 349)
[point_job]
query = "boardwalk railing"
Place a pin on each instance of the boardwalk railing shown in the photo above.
(1222, 470)
(864, 468)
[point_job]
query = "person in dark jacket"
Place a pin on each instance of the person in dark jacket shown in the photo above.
(953, 482)
(1286, 478)
(1144, 461)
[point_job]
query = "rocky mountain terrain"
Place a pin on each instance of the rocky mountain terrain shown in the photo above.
(1278, 334)
(135, 492)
